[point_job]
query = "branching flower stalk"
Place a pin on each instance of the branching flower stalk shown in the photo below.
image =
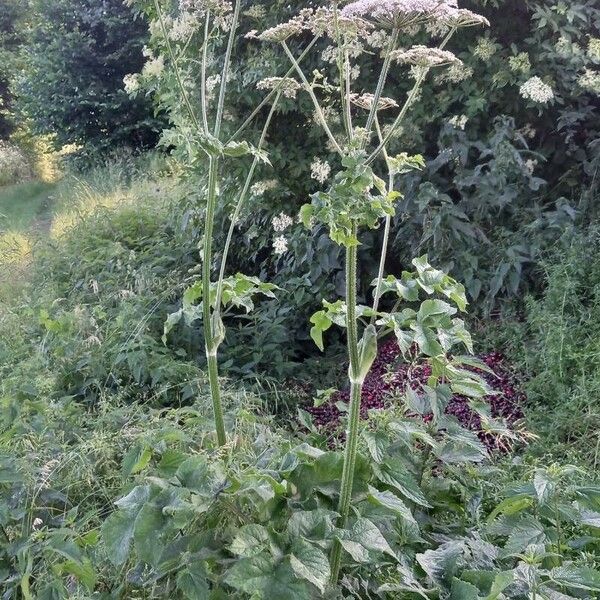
(357, 196)
(215, 149)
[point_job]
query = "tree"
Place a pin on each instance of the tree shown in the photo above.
(11, 13)
(72, 85)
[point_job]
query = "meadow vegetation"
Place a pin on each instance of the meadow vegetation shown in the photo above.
(342, 345)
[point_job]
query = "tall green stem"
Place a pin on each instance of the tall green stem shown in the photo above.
(210, 334)
(355, 397)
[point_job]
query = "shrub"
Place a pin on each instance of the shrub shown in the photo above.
(77, 54)
(14, 165)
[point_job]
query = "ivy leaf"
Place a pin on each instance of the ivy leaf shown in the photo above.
(310, 563)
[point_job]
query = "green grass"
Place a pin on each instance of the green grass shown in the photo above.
(23, 204)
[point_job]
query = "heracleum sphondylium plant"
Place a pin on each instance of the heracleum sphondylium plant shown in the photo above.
(173, 27)
(358, 198)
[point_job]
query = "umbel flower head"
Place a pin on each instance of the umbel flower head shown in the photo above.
(289, 87)
(399, 13)
(422, 56)
(366, 101)
(536, 90)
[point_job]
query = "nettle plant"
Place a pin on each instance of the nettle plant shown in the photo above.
(358, 198)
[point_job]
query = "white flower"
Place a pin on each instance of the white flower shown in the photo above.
(590, 81)
(320, 170)
(485, 48)
(260, 187)
(422, 56)
(530, 165)
(455, 74)
(280, 245)
(399, 13)
(132, 83)
(252, 35)
(183, 27)
(281, 222)
(283, 31)
(528, 131)
(459, 121)
(37, 523)
(287, 85)
(366, 101)
(520, 63)
(154, 67)
(593, 49)
(536, 90)
(256, 11)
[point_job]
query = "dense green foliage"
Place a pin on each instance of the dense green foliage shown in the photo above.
(77, 53)
(11, 35)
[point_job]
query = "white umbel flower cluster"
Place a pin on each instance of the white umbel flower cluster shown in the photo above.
(154, 67)
(458, 121)
(320, 170)
(132, 83)
(536, 90)
(184, 27)
(422, 56)
(593, 49)
(288, 86)
(366, 101)
(280, 245)
(590, 81)
(260, 187)
(281, 222)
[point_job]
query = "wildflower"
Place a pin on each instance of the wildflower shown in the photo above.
(590, 81)
(287, 85)
(528, 131)
(256, 11)
(485, 48)
(461, 17)
(520, 63)
(536, 90)
(422, 56)
(378, 39)
(92, 340)
(455, 73)
(252, 35)
(260, 187)
(154, 67)
(366, 101)
(281, 222)
(132, 83)
(183, 27)
(280, 245)
(37, 523)
(458, 122)
(325, 21)
(320, 170)
(563, 46)
(530, 165)
(593, 49)
(283, 31)
(399, 13)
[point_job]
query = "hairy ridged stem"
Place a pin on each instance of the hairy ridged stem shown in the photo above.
(211, 343)
(240, 203)
(355, 397)
(311, 93)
